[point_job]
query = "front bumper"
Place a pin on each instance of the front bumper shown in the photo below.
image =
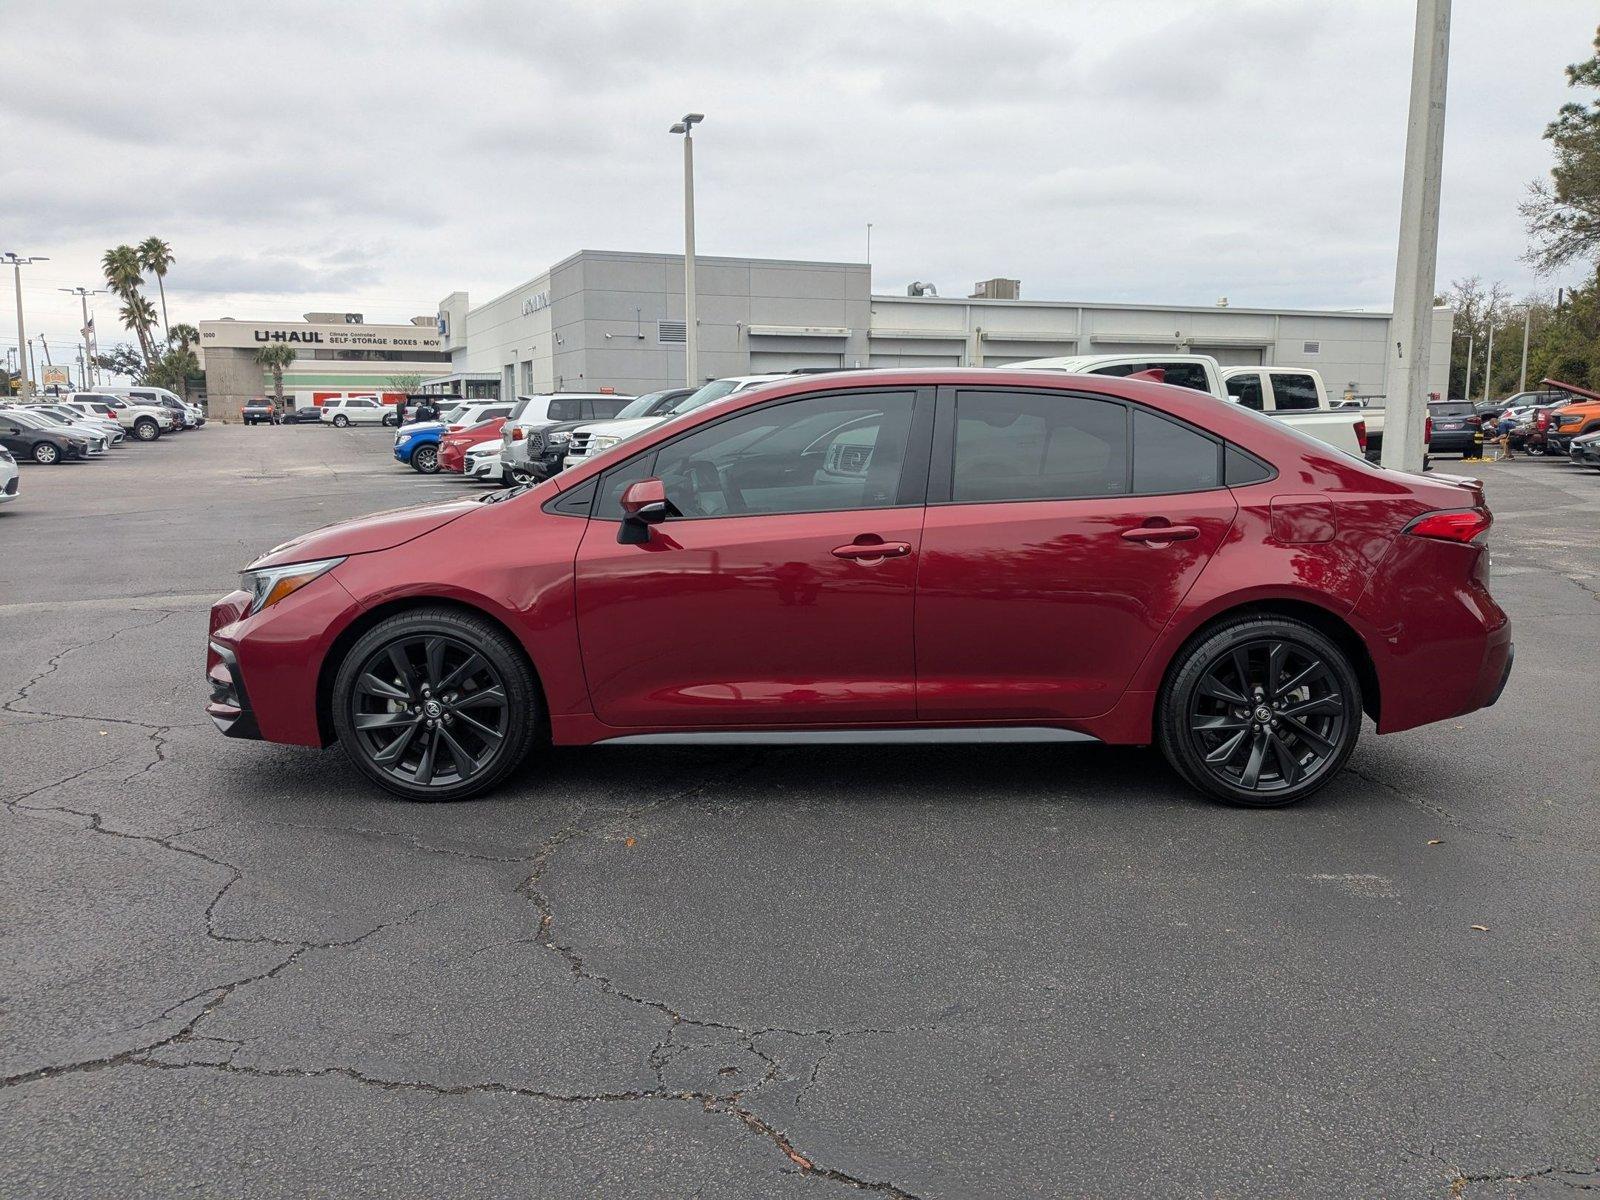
(484, 466)
(229, 706)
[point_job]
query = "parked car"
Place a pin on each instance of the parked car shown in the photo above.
(301, 414)
(453, 446)
(1585, 449)
(1304, 404)
(595, 439)
(8, 476)
(72, 418)
(97, 414)
(1086, 559)
(1455, 428)
(1578, 416)
(542, 411)
(261, 411)
(43, 441)
(417, 445)
(343, 411)
(190, 416)
(483, 463)
(146, 422)
(548, 445)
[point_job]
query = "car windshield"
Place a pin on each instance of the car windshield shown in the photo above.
(715, 390)
(453, 416)
(639, 407)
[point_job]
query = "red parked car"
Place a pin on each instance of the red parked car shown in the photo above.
(926, 556)
(453, 446)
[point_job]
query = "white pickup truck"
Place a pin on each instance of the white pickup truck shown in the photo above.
(1293, 395)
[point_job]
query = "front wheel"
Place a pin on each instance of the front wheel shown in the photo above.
(426, 459)
(391, 420)
(435, 704)
(341, 421)
(46, 453)
(1261, 712)
(146, 430)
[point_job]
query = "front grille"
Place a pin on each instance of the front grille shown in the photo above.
(578, 446)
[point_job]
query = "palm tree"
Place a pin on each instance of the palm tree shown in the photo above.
(155, 256)
(138, 314)
(183, 336)
(275, 357)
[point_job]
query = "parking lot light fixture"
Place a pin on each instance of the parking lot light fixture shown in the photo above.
(691, 366)
(18, 261)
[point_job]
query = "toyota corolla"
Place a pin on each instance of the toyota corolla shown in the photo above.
(877, 557)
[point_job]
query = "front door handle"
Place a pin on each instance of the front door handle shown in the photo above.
(1160, 534)
(860, 550)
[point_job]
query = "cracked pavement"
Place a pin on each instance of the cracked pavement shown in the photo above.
(234, 969)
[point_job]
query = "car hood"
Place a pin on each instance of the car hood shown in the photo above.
(422, 427)
(363, 535)
(622, 429)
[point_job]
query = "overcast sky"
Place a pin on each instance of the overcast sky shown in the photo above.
(377, 156)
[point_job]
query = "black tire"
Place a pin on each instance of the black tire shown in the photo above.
(1205, 733)
(391, 420)
(425, 459)
(146, 429)
(46, 453)
(340, 421)
(385, 693)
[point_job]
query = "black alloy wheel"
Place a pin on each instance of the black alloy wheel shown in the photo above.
(435, 704)
(1261, 713)
(46, 453)
(425, 459)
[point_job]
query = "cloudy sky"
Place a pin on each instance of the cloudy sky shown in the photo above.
(377, 156)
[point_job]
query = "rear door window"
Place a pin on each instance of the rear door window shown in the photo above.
(1246, 389)
(1293, 392)
(1037, 446)
(566, 410)
(606, 409)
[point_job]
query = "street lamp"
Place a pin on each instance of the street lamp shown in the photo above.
(18, 261)
(691, 366)
(83, 294)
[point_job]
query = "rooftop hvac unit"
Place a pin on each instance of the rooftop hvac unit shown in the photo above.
(921, 289)
(997, 289)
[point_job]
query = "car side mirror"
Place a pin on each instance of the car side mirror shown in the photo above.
(644, 503)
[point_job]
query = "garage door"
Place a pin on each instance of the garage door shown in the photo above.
(773, 362)
(1233, 356)
(915, 360)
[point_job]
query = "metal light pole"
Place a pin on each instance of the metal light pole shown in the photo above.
(691, 338)
(1527, 326)
(1466, 388)
(83, 294)
(1411, 327)
(18, 261)
(1488, 364)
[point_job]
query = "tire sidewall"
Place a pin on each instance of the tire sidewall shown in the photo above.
(425, 460)
(526, 716)
(46, 454)
(146, 430)
(1189, 667)
(340, 421)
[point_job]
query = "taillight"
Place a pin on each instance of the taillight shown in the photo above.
(1461, 525)
(516, 433)
(1427, 429)
(1361, 435)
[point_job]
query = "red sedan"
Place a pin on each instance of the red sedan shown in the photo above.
(911, 556)
(453, 446)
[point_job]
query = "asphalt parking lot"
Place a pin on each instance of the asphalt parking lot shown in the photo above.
(232, 968)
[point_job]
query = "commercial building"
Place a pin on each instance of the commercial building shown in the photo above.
(612, 319)
(336, 354)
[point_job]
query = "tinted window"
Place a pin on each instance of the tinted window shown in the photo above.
(1038, 446)
(566, 410)
(1451, 409)
(1245, 468)
(1169, 457)
(820, 454)
(606, 409)
(1293, 393)
(1246, 389)
(615, 481)
(1178, 374)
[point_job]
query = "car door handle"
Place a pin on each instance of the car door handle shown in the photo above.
(1161, 533)
(873, 550)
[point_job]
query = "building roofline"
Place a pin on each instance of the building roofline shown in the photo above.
(1125, 305)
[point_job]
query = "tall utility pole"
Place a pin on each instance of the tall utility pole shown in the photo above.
(83, 294)
(1411, 328)
(1527, 326)
(869, 256)
(18, 261)
(691, 336)
(1466, 388)
(1488, 365)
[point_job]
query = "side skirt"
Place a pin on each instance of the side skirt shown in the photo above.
(853, 737)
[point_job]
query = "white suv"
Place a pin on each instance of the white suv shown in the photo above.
(358, 410)
(146, 422)
(593, 439)
(549, 408)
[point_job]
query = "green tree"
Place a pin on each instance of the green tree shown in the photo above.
(139, 316)
(155, 256)
(124, 273)
(1563, 212)
(1567, 347)
(179, 364)
(405, 384)
(122, 359)
(183, 336)
(275, 357)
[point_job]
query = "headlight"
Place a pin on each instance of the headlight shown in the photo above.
(603, 442)
(560, 437)
(268, 585)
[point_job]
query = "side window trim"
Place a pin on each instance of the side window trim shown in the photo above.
(914, 481)
(941, 469)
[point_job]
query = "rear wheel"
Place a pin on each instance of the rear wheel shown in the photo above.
(46, 453)
(340, 421)
(146, 429)
(1261, 712)
(426, 459)
(435, 704)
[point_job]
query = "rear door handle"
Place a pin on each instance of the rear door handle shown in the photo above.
(1161, 533)
(873, 550)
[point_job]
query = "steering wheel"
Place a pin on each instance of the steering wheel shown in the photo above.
(706, 476)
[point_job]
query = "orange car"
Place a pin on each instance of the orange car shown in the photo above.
(1581, 416)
